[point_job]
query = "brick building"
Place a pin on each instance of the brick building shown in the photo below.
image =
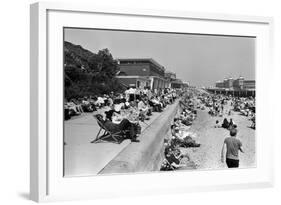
(141, 73)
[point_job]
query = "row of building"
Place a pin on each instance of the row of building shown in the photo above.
(147, 73)
(236, 84)
(236, 87)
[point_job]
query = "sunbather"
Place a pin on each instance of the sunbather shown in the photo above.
(124, 125)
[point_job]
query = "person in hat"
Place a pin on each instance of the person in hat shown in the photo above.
(232, 145)
(110, 113)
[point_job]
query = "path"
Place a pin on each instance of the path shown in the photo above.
(82, 158)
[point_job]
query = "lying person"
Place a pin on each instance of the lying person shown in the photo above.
(186, 119)
(124, 125)
(183, 139)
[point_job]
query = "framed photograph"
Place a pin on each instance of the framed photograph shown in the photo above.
(130, 102)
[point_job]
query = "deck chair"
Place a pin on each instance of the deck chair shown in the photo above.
(108, 136)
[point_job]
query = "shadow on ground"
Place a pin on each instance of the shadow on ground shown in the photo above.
(24, 195)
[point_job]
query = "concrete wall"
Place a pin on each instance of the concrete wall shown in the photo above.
(146, 155)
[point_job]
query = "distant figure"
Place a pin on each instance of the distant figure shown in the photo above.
(233, 146)
(231, 124)
(225, 123)
(217, 124)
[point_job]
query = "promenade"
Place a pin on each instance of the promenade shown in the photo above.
(83, 158)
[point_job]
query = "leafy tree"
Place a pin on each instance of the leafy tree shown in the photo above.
(86, 73)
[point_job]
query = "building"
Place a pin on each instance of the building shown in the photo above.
(249, 84)
(141, 73)
(237, 84)
(219, 84)
(170, 77)
(237, 87)
(174, 82)
(177, 83)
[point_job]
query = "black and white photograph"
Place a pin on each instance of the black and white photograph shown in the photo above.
(148, 101)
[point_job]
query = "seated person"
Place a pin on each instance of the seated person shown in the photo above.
(93, 103)
(109, 114)
(86, 105)
(133, 114)
(225, 124)
(144, 109)
(99, 102)
(124, 125)
(110, 101)
(231, 124)
(253, 125)
(77, 104)
(177, 123)
(173, 160)
(180, 155)
(127, 105)
(166, 166)
(155, 104)
(73, 109)
(173, 129)
(186, 119)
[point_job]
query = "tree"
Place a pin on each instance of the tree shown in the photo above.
(86, 73)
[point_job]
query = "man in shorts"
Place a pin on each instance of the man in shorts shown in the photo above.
(232, 146)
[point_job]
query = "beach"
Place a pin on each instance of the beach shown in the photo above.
(208, 155)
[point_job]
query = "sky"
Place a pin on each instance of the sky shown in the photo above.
(200, 60)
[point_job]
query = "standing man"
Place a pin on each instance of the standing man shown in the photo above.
(233, 146)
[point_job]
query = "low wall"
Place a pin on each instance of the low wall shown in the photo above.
(146, 155)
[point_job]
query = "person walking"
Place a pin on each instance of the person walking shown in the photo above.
(232, 146)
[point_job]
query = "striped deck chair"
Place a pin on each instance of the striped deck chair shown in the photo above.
(108, 136)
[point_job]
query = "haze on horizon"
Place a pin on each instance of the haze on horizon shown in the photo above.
(200, 60)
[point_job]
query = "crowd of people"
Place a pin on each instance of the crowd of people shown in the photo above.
(123, 111)
(217, 106)
(246, 107)
(180, 136)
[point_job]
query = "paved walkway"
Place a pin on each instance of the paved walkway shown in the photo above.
(83, 158)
